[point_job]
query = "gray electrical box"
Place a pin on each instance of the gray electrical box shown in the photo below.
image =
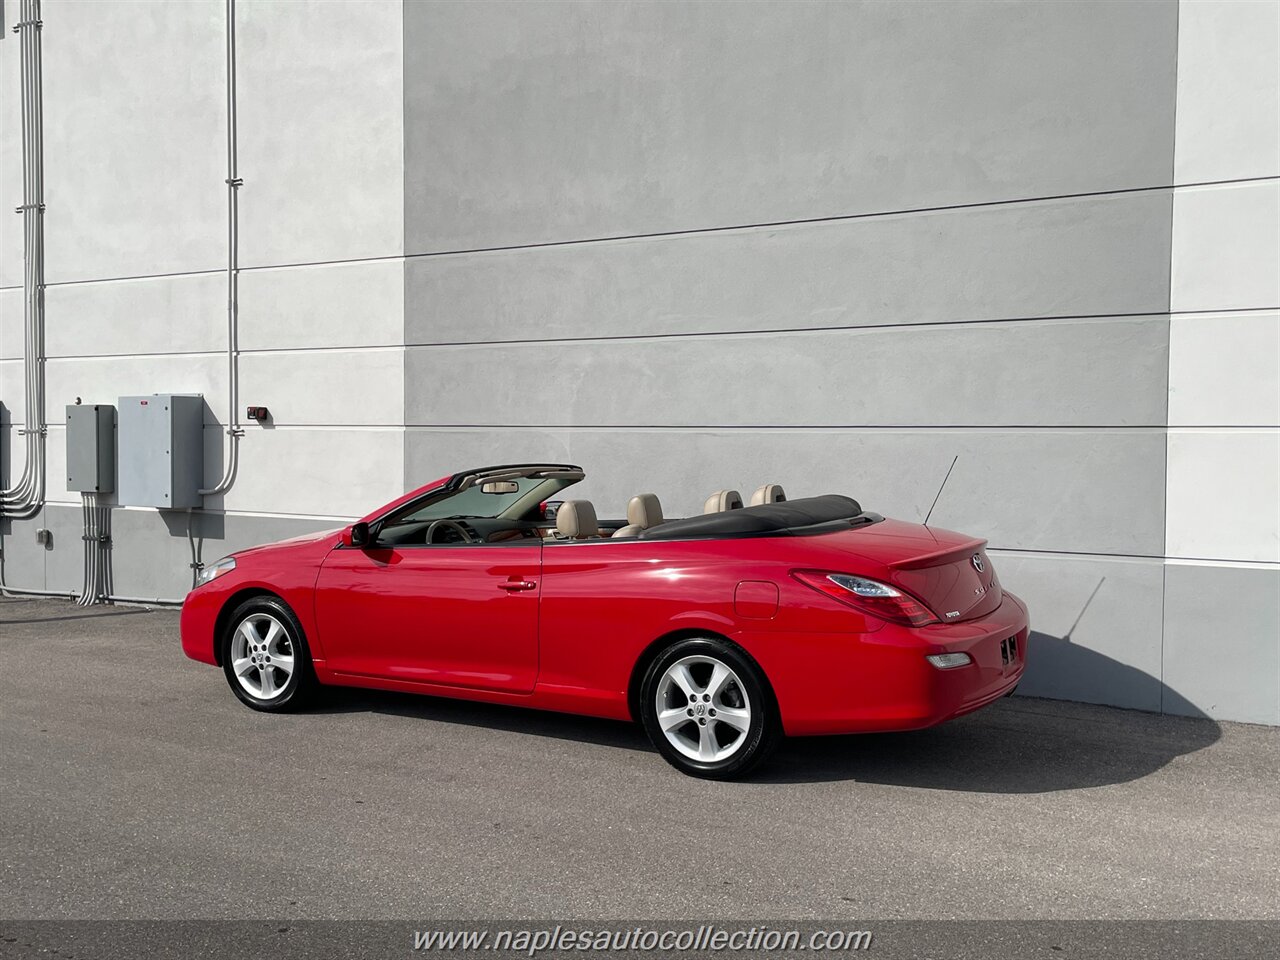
(161, 441)
(91, 447)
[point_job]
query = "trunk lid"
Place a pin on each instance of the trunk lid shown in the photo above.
(949, 571)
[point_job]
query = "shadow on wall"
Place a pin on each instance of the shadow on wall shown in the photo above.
(1061, 669)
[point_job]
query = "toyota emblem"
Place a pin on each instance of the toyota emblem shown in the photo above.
(978, 565)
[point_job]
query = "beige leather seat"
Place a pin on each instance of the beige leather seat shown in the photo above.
(576, 520)
(643, 511)
(723, 500)
(769, 493)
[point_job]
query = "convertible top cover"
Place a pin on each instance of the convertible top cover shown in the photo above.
(764, 519)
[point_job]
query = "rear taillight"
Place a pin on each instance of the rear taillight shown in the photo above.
(870, 596)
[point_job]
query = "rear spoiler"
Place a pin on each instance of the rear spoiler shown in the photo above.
(938, 557)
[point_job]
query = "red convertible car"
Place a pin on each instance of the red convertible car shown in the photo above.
(720, 632)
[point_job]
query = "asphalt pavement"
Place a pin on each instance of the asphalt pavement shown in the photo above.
(133, 785)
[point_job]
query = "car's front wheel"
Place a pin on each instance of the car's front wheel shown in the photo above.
(265, 656)
(707, 708)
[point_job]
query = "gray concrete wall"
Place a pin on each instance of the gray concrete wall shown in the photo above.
(700, 245)
(1222, 523)
(834, 245)
(136, 245)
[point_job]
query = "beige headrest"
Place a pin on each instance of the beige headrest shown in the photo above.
(576, 520)
(723, 500)
(644, 510)
(769, 493)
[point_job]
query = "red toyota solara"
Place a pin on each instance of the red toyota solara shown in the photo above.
(720, 632)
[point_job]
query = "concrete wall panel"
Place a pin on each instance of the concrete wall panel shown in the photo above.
(1224, 369)
(334, 305)
(56, 462)
(104, 379)
(11, 379)
(135, 138)
(1226, 247)
(24, 559)
(1222, 494)
(298, 386)
(1104, 372)
(160, 315)
(11, 229)
(1067, 490)
(1228, 91)
(543, 122)
(64, 557)
(310, 471)
(1079, 257)
(12, 324)
(321, 117)
(1222, 642)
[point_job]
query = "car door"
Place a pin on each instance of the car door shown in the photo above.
(463, 615)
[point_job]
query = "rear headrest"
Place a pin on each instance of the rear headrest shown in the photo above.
(723, 500)
(576, 520)
(644, 510)
(769, 493)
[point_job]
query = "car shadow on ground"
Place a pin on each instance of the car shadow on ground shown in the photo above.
(1018, 745)
(536, 723)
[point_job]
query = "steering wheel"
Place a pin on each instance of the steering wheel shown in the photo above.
(462, 531)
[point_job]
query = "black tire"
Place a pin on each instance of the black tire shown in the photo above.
(300, 686)
(764, 729)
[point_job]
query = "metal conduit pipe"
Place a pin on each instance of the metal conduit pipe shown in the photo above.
(19, 498)
(87, 591)
(234, 430)
(97, 543)
(26, 497)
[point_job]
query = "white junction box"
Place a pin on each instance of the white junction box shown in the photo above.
(160, 440)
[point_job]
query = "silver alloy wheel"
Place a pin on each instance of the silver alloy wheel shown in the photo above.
(703, 709)
(262, 656)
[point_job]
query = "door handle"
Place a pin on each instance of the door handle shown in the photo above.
(514, 585)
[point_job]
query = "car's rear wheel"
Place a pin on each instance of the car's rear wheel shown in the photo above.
(708, 709)
(265, 656)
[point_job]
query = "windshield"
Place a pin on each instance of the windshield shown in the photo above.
(473, 502)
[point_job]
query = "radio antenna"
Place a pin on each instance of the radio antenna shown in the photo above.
(940, 489)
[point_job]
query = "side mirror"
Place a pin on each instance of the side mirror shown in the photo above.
(359, 535)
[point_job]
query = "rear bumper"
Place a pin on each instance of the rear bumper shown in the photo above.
(854, 683)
